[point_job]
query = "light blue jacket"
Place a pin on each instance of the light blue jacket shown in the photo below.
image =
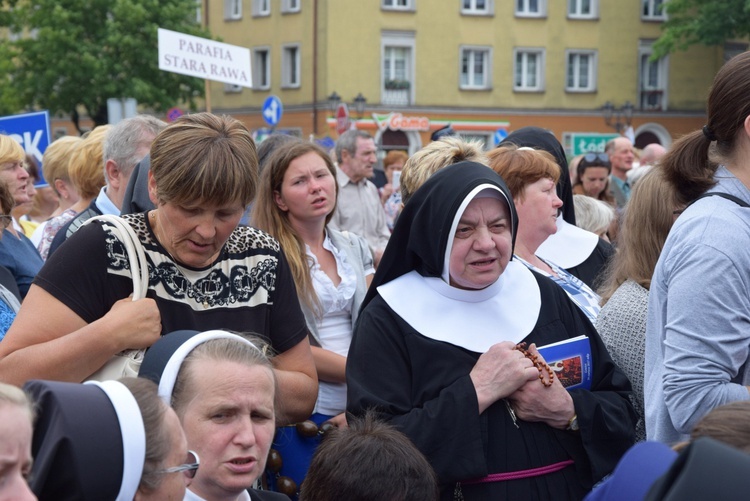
(698, 328)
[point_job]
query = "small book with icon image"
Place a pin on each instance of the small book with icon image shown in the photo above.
(571, 361)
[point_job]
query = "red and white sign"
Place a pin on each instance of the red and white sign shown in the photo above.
(342, 118)
(396, 121)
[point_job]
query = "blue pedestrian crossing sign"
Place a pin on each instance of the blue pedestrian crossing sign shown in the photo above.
(272, 110)
(500, 135)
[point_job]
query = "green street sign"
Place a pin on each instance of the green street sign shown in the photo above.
(585, 143)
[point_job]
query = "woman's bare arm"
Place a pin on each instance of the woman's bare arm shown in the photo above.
(49, 341)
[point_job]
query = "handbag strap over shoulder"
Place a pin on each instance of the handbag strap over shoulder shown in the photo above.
(734, 199)
(136, 256)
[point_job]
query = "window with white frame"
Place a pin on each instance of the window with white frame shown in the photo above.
(581, 71)
(232, 10)
(477, 7)
(528, 70)
(531, 8)
(652, 79)
(583, 9)
(396, 61)
(261, 68)
(653, 10)
(398, 4)
(288, 6)
(290, 63)
(475, 68)
(397, 52)
(261, 8)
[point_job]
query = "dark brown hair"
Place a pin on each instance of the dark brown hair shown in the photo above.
(369, 460)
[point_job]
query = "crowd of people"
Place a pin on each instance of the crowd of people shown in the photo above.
(274, 325)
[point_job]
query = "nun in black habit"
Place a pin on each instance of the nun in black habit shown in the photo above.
(92, 443)
(434, 353)
(582, 253)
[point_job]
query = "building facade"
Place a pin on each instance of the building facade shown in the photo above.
(406, 68)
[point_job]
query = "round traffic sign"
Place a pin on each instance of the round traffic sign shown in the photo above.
(272, 110)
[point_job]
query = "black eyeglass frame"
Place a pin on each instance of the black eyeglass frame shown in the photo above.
(190, 468)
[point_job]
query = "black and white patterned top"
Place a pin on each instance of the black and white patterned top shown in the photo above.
(248, 288)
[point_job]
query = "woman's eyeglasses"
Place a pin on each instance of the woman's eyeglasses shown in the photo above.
(190, 468)
(595, 160)
(5, 220)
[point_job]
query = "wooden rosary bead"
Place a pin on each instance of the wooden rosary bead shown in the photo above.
(307, 429)
(286, 485)
(541, 366)
(326, 427)
(274, 462)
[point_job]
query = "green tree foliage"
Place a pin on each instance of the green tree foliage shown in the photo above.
(75, 54)
(707, 22)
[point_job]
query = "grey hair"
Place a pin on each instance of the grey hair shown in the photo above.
(592, 214)
(348, 142)
(125, 138)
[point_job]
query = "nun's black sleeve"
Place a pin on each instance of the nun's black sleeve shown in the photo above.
(605, 413)
(392, 368)
(422, 386)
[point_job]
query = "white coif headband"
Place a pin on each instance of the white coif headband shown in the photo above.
(172, 368)
(133, 435)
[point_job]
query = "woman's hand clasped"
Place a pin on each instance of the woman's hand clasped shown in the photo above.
(500, 372)
(534, 402)
(134, 324)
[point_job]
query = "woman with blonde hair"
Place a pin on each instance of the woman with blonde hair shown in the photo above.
(646, 222)
(17, 253)
(9, 293)
(16, 420)
(223, 389)
(56, 160)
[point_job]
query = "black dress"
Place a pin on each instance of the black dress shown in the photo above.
(423, 387)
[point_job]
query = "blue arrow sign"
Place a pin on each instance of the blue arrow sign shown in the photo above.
(272, 110)
(500, 135)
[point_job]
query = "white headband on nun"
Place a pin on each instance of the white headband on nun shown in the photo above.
(132, 433)
(172, 368)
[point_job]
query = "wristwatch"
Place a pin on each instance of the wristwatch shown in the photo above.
(573, 423)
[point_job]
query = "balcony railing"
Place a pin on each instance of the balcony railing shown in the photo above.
(396, 97)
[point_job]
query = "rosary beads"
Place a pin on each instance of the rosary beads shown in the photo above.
(539, 364)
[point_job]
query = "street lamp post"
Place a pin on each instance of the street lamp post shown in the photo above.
(618, 118)
(333, 101)
(359, 104)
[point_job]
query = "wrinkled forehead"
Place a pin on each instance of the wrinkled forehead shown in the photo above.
(480, 192)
